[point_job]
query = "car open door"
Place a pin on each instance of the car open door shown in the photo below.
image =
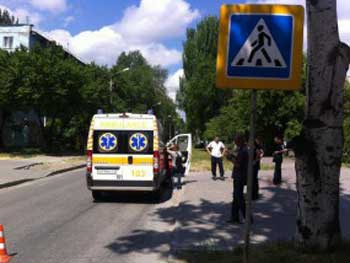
(184, 141)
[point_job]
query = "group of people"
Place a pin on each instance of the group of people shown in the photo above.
(240, 157)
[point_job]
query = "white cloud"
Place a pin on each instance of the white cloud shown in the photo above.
(158, 54)
(173, 83)
(68, 20)
(156, 19)
(102, 46)
(141, 28)
(23, 15)
(61, 36)
(55, 6)
(105, 45)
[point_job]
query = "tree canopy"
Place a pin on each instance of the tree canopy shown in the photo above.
(6, 18)
(198, 96)
(211, 111)
(68, 93)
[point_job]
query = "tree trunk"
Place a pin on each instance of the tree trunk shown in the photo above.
(4, 116)
(42, 131)
(319, 148)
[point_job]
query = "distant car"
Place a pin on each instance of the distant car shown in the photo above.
(200, 145)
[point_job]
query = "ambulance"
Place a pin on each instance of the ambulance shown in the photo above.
(125, 152)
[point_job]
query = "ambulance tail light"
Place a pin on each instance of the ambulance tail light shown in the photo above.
(89, 161)
(156, 162)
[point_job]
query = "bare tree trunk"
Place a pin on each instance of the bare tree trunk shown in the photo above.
(4, 116)
(319, 148)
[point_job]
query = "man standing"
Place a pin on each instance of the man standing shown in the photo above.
(216, 149)
(278, 159)
(239, 175)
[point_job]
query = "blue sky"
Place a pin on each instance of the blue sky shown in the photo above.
(100, 30)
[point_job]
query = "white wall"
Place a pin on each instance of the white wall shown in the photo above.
(20, 34)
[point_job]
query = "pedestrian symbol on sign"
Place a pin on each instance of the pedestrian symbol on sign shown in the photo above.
(260, 47)
(259, 50)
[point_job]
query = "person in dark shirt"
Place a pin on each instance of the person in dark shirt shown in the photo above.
(239, 175)
(177, 169)
(258, 155)
(278, 159)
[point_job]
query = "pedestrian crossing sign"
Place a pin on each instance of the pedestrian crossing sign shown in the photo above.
(260, 47)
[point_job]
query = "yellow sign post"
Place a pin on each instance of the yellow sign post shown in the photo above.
(260, 47)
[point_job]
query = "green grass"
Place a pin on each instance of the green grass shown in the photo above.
(276, 252)
(22, 153)
(267, 166)
(201, 162)
(34, 152)
(76, 159)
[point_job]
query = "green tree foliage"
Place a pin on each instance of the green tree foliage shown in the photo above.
(198, 96)
(8, 85)
(135, 87)
(48, 83)
(278, 112)
(6, 18)
(211, 111)
(141, 88)
(67, 93)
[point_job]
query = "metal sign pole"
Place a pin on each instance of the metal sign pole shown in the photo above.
(248, 215)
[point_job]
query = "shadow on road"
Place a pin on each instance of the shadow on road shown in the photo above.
(137, 197)
(202, 225)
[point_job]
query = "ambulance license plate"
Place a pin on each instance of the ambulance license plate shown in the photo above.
(119, 177)
(107, 172)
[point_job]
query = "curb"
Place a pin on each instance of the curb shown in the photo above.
(28, 166)
(76, 167)
(53, 173)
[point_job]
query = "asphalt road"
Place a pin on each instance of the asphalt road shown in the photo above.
(55, 220)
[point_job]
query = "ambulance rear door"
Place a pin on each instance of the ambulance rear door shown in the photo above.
(184, 141)
(123, 151)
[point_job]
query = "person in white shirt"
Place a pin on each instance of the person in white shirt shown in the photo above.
(216, 149)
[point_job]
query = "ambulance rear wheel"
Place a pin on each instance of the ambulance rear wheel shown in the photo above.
(97, 195)
(157, 195)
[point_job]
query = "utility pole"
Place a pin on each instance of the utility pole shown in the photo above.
(111, 85)
(111, 92)
(170, 119)
(248, 215)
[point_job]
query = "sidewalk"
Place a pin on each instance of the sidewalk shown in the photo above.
(206, 205)
(17, 170)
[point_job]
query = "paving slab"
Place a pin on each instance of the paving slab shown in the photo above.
(206, 205)
(16, 171)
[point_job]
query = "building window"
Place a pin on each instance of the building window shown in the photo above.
(8, 42)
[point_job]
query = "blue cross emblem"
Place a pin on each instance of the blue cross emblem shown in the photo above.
(108, 142)
(138, 142)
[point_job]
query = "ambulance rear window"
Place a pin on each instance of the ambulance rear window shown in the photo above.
(123, 142)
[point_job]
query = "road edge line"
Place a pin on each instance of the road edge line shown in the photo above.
(173, 244)
(60, 171)
(53, 173)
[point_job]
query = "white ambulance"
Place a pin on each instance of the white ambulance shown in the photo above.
(126, 153)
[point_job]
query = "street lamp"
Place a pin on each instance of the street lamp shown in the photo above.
(111, 83)
(151, 110)
(170, 117)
